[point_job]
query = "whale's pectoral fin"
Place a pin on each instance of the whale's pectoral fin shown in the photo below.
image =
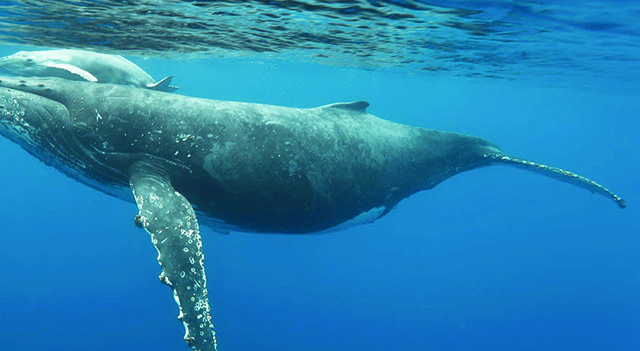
(557, 173)
(73, 70)
(163, 85)
(172, 224)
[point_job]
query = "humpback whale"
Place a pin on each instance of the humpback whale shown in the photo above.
(235, 165)
(82, 65)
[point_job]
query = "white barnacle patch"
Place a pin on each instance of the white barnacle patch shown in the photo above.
(202, 305)
(184, 137)
(187, 232)
(363, 218)
(177, 298)
(144, 220)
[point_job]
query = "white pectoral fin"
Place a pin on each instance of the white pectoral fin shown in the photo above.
(559, 174)
(172, 224)
(73, 70)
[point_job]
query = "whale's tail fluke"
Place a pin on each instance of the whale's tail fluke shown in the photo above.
(557, 173)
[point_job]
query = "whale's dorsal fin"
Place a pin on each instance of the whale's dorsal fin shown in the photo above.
(163, 85)
(73, 70)
(356, 106)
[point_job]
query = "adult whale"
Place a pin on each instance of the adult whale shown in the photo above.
(82, 65)
(245, 166)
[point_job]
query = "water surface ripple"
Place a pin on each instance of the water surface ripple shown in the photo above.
(503, 39)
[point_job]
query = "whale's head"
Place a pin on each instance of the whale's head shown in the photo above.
(24, 63)
(32, 120)
(69, 106)
(50, 118)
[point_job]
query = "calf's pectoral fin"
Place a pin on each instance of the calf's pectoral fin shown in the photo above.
(172, 224)
(73, 70)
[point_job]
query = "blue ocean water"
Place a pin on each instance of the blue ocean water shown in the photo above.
(493, 259)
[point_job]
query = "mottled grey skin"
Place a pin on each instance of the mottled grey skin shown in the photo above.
(256, 167)
(239, 165)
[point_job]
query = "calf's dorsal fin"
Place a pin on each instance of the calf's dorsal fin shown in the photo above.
(163, 84)
(356, 106)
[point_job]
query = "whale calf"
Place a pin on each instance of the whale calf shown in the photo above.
(235, 165)
(82, 65)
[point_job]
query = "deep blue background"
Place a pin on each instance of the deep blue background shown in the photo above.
(494, 259)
